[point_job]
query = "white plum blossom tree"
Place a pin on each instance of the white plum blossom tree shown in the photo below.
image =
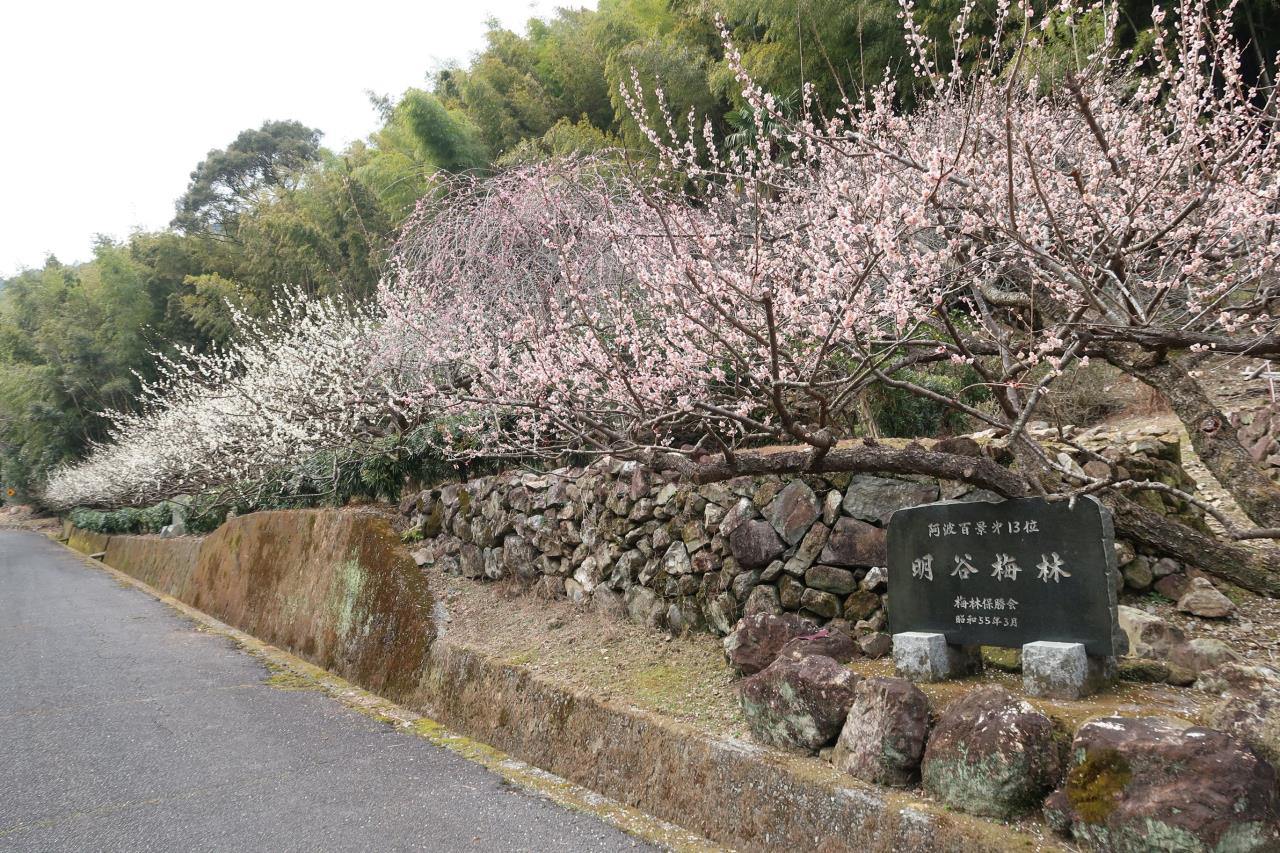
(303, 379)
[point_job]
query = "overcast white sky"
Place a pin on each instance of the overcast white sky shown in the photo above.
(106, 107)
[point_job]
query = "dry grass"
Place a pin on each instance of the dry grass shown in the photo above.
(684, 678)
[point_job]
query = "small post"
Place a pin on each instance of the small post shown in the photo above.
(924, 657)
(1063, 671)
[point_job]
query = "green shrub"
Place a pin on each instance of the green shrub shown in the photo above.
(901, 413)
(1086, 395)
(128, 520)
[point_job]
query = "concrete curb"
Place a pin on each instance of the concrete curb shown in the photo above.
(737, 793)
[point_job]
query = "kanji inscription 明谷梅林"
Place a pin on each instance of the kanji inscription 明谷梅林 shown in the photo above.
(1005, 573)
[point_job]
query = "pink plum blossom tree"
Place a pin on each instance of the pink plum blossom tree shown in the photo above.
(688, 312)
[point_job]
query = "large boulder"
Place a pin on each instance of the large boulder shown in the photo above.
(676, 560)
(755, 545)
(808, 549)
(1146, 784)
(861, 605)
(758, 638)
(1201, 599)
(992, 755)
(875, 644)
(793, 511)
(884, 735)
(1238, 678)
(798, 704)
(519, 559)
(743, 510)
(1202, 654)
(831, 579)
(873, 498)
(721, 613)
(1137, 573)
(855, 543)
(820, 603)
(1149, 636)
(762, 599)
(1174, 586)
(832, 643)
(1250, 705)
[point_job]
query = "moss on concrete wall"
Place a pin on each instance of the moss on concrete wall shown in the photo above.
(328, 585)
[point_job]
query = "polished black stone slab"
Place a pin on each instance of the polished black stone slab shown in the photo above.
(1006, 573)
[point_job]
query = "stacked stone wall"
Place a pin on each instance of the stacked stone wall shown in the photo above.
(1259, 431)
(637, 543)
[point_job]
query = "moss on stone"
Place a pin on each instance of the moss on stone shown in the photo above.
(1095, 784)
(285, 680)
(1143, 670)
(991, 786)
(1005, 660)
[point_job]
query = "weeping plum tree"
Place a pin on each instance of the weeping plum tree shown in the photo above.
(686, 313)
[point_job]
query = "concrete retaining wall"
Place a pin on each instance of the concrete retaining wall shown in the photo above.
(736, 793)
(332, 587)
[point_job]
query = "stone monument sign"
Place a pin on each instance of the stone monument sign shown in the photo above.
(1005, 574)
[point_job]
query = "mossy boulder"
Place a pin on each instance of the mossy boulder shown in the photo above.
(1147, 784)
(798, 704)
(1250, 706)
(836, 644)
(991, 755)
(883, 737)
(757, 639)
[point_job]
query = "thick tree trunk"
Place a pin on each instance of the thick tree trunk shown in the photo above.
(1255, 570)
(868, 458)
(1213, 438)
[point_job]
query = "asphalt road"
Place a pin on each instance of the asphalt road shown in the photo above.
(122, 727)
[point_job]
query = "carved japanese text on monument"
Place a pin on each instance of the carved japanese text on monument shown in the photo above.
(1004, 574)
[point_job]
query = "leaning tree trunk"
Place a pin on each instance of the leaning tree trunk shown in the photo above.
(1212, 437)
(1255, 570)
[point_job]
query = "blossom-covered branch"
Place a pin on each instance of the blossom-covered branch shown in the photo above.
(304, 379)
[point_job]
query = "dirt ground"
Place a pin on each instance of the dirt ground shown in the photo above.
(685, 678)
(1254, 632)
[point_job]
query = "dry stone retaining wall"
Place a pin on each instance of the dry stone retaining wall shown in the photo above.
(680, 557)
(1259, 431)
